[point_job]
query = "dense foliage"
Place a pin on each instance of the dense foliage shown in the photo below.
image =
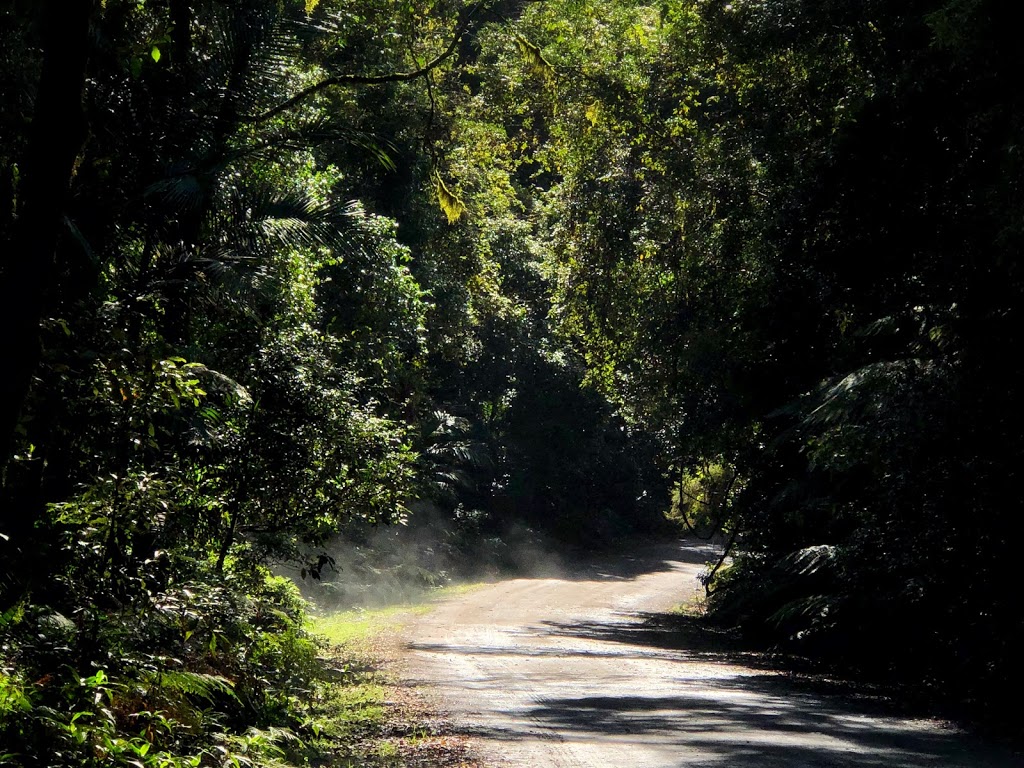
(275, 270)
(256, 289)
(786, 239)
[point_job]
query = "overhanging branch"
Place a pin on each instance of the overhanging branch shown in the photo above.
(393, 77)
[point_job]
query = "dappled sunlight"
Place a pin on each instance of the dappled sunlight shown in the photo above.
(530, 672)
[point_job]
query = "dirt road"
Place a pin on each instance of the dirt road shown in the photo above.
(570, 671)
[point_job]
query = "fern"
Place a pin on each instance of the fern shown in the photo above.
(198, 684)
(14, 614)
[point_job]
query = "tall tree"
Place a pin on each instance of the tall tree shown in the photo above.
(58, 130)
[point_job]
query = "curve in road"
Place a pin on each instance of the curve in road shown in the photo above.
(573, 670)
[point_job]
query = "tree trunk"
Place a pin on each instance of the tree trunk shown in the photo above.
(27, 270)
(181, 34)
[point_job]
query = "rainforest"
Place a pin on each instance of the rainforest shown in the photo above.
(283, 282)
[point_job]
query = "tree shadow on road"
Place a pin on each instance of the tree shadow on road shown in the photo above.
(646, 557)
(748, 722)
(749, 725)
(694, 639)
(762, 710)
(753, 722)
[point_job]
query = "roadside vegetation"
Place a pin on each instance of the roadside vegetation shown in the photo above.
(364, 714)
(508, 276)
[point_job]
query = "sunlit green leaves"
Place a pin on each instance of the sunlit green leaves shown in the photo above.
(451, 204)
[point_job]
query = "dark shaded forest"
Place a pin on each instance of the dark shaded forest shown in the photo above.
(561, 272)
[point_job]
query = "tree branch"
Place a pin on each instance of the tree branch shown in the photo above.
(709, 577)
(393, 77)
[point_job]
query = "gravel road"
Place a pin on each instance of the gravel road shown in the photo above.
(572, 670)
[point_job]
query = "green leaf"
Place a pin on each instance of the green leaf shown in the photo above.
(155, 53)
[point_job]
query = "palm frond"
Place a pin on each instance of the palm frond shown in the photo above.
(810, 560)
(177, 193)
(804, 610)
(252, 49)
(258, 222)
(471, 453)
(296, 219)
(866, 390)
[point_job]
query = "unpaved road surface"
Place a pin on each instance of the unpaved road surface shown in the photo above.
(570, 670)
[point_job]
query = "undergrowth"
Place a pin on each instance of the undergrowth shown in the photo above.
(200, 673)
(225, 671)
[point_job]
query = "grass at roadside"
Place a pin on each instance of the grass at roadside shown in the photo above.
(356, 626)
(695, 607)
(363, 714)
